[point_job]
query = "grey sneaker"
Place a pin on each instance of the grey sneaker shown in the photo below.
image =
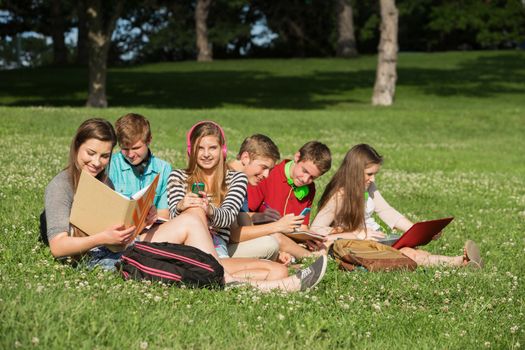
(313, 274)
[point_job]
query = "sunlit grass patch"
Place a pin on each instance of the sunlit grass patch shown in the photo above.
(445, 155)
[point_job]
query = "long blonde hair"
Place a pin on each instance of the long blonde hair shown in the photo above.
(217, 189)
(94, 128)
(348, 185)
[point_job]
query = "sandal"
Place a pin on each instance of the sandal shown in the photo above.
(472, 255)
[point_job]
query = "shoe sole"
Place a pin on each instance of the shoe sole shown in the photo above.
(473, 254)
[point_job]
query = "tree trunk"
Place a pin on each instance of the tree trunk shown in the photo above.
(57, 33)
(100, 27)
(297, 31)
(204, 50)
(82, 39)
(345, 30)
(385, 85)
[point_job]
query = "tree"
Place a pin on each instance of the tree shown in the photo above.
(345, 30)
(386, 76)
(101, 21)
(304, 28)
(82, 38)
(204, 50)
(58, 28)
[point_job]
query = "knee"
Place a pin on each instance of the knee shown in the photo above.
(271, 248)
(192, 217)
(196, 213)
(279, 237)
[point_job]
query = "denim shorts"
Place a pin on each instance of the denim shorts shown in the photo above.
(220, 246)
(103, 258)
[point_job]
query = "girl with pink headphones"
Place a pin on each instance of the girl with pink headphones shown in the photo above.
(217, 206)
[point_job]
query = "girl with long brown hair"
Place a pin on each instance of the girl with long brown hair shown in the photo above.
(351, 198)
(90, 151)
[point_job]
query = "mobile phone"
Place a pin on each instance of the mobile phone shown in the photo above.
(305, 211)
(197, 187)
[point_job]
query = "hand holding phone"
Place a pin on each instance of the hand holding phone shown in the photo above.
(197, 187)
(305, 211)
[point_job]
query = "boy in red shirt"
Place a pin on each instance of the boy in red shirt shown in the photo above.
(290, 186)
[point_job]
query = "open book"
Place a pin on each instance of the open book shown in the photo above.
(97, 207)
(301, 236)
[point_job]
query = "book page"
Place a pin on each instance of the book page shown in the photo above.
(141, 192)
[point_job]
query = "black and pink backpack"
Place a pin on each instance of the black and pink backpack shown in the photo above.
(171, 264)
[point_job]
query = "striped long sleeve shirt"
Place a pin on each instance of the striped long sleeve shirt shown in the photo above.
(226, 213)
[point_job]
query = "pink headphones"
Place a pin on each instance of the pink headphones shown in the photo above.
(188, 137)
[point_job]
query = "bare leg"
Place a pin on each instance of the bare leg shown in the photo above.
(288, 245)
(424, 258)
(302, 280)
(254, 268)
(189, 228)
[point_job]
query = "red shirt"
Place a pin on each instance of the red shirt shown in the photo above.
(278, 195)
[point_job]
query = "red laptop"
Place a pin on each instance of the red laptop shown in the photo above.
(421, 233)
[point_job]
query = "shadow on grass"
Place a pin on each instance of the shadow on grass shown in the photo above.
(484, 76)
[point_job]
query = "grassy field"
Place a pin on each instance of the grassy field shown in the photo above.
(454, 145)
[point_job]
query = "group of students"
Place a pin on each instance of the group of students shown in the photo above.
(243, 211)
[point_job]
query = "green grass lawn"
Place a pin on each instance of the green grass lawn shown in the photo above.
(453, 144)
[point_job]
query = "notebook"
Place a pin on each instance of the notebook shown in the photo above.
(419, 234)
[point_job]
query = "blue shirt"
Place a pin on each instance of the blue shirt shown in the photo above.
(127, 183)
(244, 208)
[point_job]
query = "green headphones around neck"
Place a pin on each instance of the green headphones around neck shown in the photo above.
(299, 192)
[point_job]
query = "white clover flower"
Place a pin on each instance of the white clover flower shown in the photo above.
(280, 317)
(514, 329)
(35, 340)
(143, 345)
(487, 344)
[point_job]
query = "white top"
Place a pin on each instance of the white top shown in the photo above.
(370, 222)
(375, 204)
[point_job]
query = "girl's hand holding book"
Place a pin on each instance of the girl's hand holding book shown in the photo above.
(118, 235)
(152, 216)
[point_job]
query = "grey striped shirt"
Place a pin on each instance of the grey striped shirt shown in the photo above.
(226, 213)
